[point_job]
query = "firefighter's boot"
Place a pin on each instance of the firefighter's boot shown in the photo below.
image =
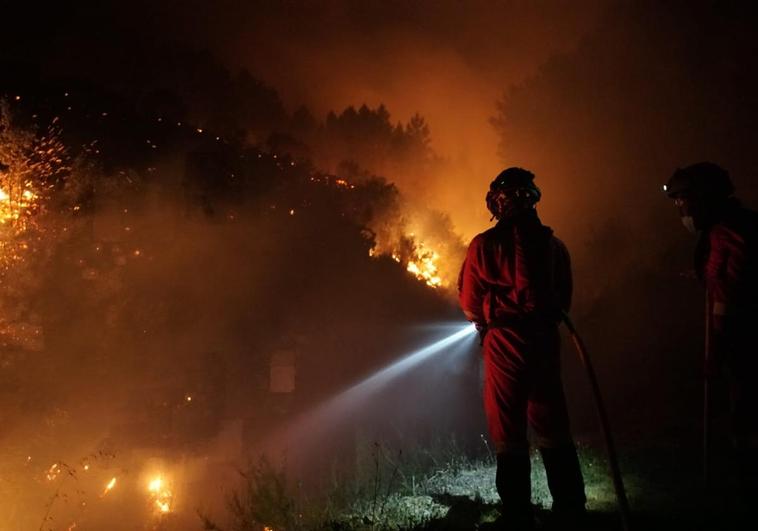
(514, 485)
(564, 479)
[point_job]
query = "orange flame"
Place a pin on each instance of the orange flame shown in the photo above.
(160, 494)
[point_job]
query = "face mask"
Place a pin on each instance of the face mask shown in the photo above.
(689, 224)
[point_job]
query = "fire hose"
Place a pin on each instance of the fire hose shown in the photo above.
(706, 397)
(610, 447)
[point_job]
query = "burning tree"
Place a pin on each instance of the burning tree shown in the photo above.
(33, 164)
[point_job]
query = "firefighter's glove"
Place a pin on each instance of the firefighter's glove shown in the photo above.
(481, 329)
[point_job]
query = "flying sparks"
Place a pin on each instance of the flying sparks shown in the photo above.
(424, 266)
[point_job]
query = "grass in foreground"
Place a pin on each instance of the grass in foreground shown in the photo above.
(422, 492)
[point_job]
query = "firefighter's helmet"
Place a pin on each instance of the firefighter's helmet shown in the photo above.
(707, 180)
(512, 192)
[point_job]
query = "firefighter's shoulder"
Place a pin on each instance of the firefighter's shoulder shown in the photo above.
(493, 233)
(478, 247)
(479, 240)
(729, 236)
(559, 246)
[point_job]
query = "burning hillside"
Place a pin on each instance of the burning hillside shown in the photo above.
(401, 231)
(132, 336)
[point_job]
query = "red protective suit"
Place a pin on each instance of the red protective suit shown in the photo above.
(727, 261)
(516, 280)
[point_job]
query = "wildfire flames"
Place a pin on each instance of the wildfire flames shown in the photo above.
(419, 258)
(16, 208)
(160, 495)
(422, 262)
(424, 266)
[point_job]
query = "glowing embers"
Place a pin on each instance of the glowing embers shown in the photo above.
(109, 487)
(160, 495)
(327, 179)
(52, 472)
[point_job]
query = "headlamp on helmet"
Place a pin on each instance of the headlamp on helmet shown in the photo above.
(704, 179)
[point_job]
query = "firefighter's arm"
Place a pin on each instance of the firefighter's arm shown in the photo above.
(471, 284)
(724, 271)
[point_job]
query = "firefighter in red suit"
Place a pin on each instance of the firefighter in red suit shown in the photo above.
(514, 285)
(726, 260)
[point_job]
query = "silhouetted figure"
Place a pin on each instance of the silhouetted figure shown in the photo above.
(726, 261)
(515, 283)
